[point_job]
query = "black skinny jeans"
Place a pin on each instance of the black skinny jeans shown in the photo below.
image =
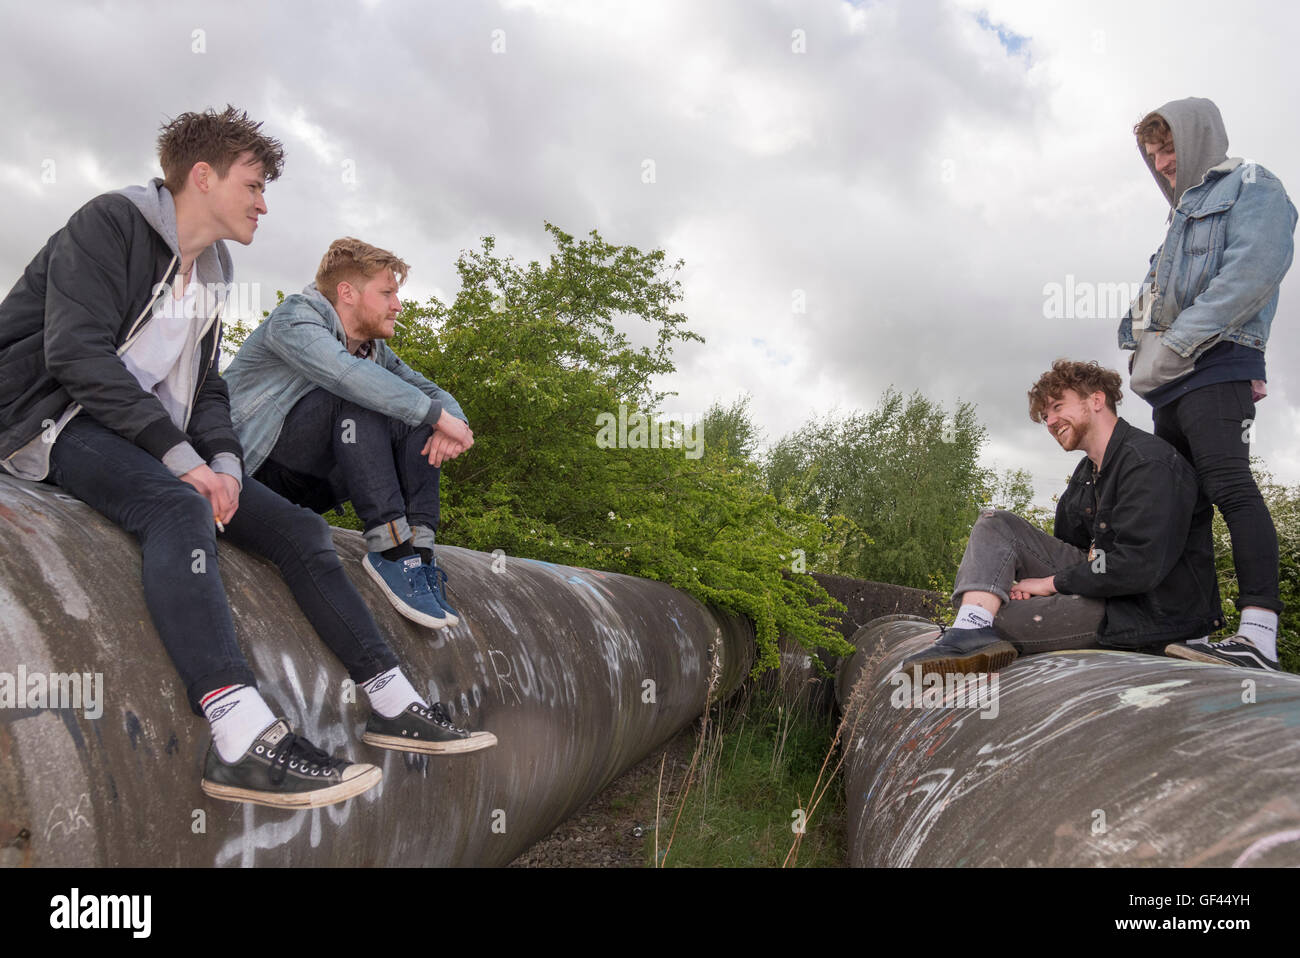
(331, 449)
(188, 607)
(1211, 427)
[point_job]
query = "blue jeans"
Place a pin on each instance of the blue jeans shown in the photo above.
(1210, 426)
(331, 449)
(188, 607)
(1004, 548)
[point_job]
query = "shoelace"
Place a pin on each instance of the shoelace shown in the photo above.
(418, 580)
(294, 749)
(437, 577)
(436, 713)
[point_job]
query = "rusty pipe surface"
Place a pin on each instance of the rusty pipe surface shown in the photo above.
(580, 674)
(1070, 758)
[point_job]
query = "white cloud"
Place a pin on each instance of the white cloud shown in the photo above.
(915, 177)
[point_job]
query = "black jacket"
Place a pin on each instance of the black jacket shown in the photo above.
(1154, 563)
(61, 325)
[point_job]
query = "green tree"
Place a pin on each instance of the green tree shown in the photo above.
(542, 357)
(905, 475)
(730, 433)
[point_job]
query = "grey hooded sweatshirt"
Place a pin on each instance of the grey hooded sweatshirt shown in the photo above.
(165, 355)
(213, 272)
(1200, 142)
(1160, 375)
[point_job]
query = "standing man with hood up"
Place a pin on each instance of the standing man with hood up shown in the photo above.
(1199, 329)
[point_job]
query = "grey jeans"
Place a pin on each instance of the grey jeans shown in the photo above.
(1004, 548)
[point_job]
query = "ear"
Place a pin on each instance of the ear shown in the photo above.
(202, 176)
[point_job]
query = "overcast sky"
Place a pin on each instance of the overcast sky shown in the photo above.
(913, 174)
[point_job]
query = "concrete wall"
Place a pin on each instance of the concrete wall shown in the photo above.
(552, 659)
(799, 681)
(1078, 759)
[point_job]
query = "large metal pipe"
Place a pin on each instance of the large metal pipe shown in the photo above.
(580, 674)
(1073, 758)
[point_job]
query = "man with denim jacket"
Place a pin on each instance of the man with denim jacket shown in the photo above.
(109, 344)
(327, 412)
(1199, 329)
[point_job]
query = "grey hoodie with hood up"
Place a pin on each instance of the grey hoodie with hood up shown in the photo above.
(1158, 374)
(1200, 143)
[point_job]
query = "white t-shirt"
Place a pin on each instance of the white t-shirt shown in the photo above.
(164, 358)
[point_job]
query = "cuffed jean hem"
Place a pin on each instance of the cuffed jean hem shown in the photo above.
(422, 537)
(201, 686)
(389, 535)
(963, 587)
(1260, 601)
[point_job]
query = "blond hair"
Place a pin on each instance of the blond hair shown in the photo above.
(352, 261)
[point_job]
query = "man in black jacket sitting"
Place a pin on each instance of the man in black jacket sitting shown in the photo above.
(1130, 566)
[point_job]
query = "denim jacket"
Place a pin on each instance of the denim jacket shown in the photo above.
(1216, 277)
(302, 346)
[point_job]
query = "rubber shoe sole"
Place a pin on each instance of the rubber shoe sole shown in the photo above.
(476, 741)
(362, 778)
(991, 658)
(1200, 653)
(415, 615)
(1183, 650)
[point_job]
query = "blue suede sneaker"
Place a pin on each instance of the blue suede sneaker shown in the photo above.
(405, 584)
(437, 578)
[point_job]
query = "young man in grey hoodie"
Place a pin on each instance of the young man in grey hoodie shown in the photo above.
(109, 345)
(1199, 329)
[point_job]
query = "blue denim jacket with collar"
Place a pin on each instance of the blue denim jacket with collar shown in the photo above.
(302, 346)
(1216, 277)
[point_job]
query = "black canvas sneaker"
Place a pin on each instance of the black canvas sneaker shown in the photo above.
(1235, 650)
(959, 651)
(284, 770)
(420, 729)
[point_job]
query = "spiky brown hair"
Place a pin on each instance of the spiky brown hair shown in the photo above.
(218, 139)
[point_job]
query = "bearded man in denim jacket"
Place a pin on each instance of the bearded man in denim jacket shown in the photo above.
(326, 412)
(1199, 329)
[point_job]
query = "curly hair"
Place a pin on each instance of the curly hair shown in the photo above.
(1153, 128)
(1084, 378)
(349, 259)
(218, 139)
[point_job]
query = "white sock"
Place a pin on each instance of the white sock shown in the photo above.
(390, 693)
(971, 616)
(1260, 626)
(237, 714)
